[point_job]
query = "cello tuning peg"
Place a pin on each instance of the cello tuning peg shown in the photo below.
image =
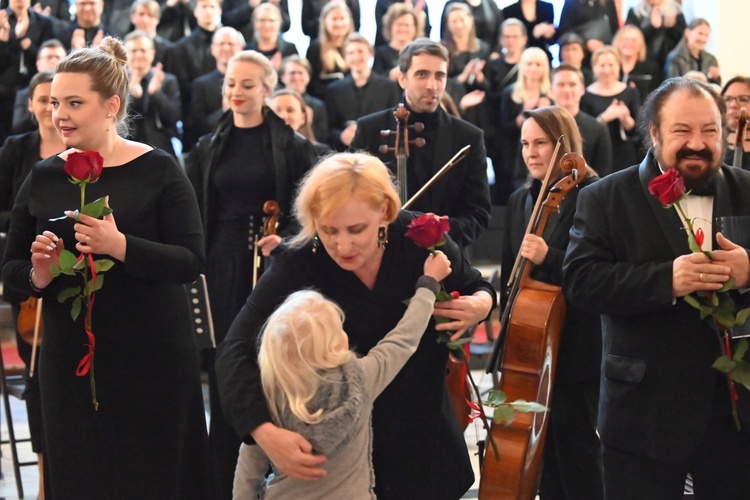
(386, 133)
(385, 149)
(418, 142)
(417, 127)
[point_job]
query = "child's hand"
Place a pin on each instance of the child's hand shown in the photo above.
(437, 266)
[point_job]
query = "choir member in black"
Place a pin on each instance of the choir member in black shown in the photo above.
(690, 54)
(573, 52)
(177, 20)
(636, 70)
(252, 157)
(311, 10)
(239, 15)
(530, 91)
(539, 19)
(290, 106)
(191, 57)
(267, 35)
(736, 94)
(487, 20)
(145, 16)
(87, 28)
(662, 24)
(150, 422)
(58, 11)
(615, 104)
(361, 93)
(566, 90)
(352, 249)
(401, 26)
(17, 156)
(596, 21)
(206, 100)
(295, 74)
(468, 54)
(572, 467)
(326, 53)
(155, 95)
(381, 10)
(50, 53)
(463, 195)
(22, 32)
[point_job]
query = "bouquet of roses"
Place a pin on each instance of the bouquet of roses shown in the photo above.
(84, 168)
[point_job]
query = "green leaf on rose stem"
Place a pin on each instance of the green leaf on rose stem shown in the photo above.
(705, 311)
(740, 349)
(441, 319)
(457, 351)
(724, 364)
(504, 414)
(54, 270)
(742, 316)
(741, 374)
(444, 337)
(709, 255)
(103, 265)
(96, 208)
(443, 295)
(67, 261)
(75, 310)
(528, 406)
(694, 247)
(496, 397)
(457, 345)
(726, 319)
(728, 284)
(692, 301)
(714, 300)
(80, 264)
(91, 288)
(68, 293)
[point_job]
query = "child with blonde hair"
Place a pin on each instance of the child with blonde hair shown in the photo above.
(315, 385)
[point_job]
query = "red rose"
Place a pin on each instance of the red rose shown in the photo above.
(699, 236)
(668, 187)
(86, 166)
(427, 230)
(456, 295)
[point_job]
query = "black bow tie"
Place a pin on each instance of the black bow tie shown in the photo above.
(707, 190)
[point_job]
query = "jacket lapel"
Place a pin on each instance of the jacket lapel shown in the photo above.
(668, 219)
(722, 204)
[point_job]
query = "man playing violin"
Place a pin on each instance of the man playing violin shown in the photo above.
(462, 194)
(736, 94)
(664, 411)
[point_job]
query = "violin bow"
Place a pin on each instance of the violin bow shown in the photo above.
(37, 328)
(462, 153)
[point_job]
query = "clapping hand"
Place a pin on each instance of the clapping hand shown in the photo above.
(4, 26)
(157, 79)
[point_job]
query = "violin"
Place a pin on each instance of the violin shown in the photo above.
(525, 354)
(739, 139)
(270, 225)
(30, 321)
(401, 147)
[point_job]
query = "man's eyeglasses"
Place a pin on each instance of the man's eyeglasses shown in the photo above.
(742, 99)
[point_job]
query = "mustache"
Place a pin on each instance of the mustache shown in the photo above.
(704, 154)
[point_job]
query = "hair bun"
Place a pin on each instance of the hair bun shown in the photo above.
(115, 49)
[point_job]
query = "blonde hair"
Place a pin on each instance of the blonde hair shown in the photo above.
(299, 342)
(336, 179)
(606, 49)
(398, 10)
(106, 66)
(329, 53)
(638, 33)
(520, 92)
(268, 77)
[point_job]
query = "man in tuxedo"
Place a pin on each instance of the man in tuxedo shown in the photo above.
(463, 193)
(567, 90)
(664, 411)
(360, 93)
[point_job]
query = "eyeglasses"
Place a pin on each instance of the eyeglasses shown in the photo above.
(742, 99)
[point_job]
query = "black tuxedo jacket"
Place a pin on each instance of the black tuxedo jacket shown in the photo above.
(463, 194)
(205, 107)
(657, 385)
(156, 116)
(345, 104)
(597, 146)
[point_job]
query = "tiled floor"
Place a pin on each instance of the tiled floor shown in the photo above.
(30, 475)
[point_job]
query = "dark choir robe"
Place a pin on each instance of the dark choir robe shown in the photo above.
(205, 107)
(545, 13)
(320, 117)
(238, 14)
(418, 448)
(66, 35)
(597, 146)
(346, 102)
(463, 194)
(155, 116)
(660, 397)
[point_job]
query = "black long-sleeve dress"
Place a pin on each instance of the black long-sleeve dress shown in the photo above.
(572, 461)
(148, 438)
(418, 448)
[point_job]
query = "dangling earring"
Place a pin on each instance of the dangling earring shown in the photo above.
(382, 237)
(316, 243)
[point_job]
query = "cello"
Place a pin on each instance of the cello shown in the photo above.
(525, 353)
(401, 147)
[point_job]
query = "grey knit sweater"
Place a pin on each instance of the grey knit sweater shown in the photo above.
(345, 434)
